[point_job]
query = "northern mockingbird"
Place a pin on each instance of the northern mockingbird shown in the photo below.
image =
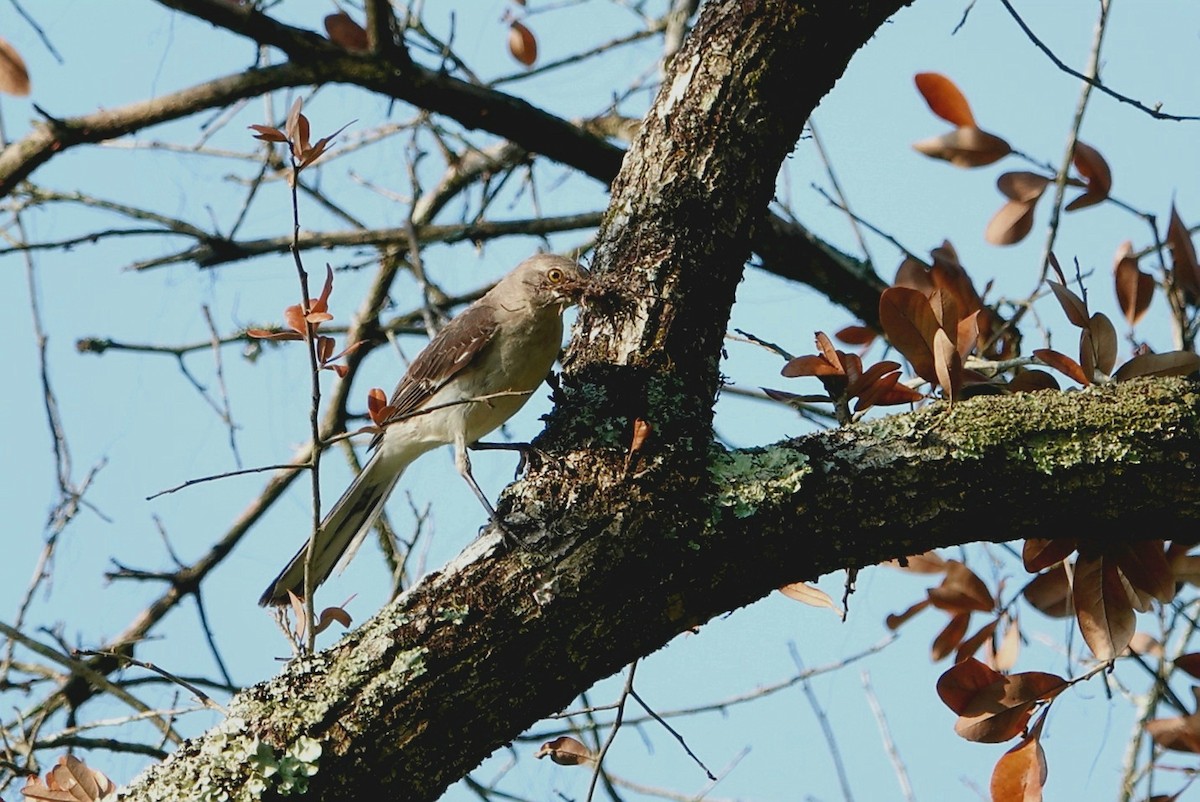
(472, 377)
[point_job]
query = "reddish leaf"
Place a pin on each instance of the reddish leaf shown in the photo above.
(944, 98)
(1102, 606)
(1185, 270)
(965, 147)
(951, 635)
(1172, 363)
(297, 127)
(909, 324)
(878, 393)
(522, 44)
(344, 31)
(1039, 553)
(809, 365)
(1021, 772)
(870, 376)
(1063, 364)
(883, 395)
(14, 77)
(856, 335)
(1050, 592)
(1135, 289)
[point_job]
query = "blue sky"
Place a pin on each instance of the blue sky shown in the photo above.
(138, 414)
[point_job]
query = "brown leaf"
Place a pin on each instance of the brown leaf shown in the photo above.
(1185, 270)
(948, 365)
(268, 133)
(566, 751)
(1072, 304)
(1103, 342)
(522, 44)
(329, 615)
(909, 323)
(344, 31)
(70, 781)
(1021, 772)
(1135, 289)
(1189, 663)
(1063, 364)
(1102, 606)
(641, 431)
(963, 681)
(965, 147)
(1011, 224)
(1096, 175)
(951, 635)
(949, 275)
(297, 127)
(944, 98)
(914, 274)
(14, 78)
(1039, 553)
(1144, 564)
(810, 365)
(895, 620)
(961, 591)
(1022, 186)
(882, 392)
(870, 376)
(1050, 592)
(1002, 709)
(856, 335)
(1029, 381)
(1180, 733)
(971, 645)
(812, 596)
(1172, 363)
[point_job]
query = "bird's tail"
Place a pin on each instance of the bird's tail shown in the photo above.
(341, 532)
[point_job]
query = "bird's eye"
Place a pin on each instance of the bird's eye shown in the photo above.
(554, 275)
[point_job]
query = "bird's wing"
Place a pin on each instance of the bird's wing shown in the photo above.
(453, 349)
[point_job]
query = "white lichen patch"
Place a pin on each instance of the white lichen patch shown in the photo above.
(746, 480)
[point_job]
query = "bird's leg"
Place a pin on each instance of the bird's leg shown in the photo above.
(527, 450)
(463, 462)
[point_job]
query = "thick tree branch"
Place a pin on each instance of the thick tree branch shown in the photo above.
(528, 630)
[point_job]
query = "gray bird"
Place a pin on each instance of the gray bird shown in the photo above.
(472, 377)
